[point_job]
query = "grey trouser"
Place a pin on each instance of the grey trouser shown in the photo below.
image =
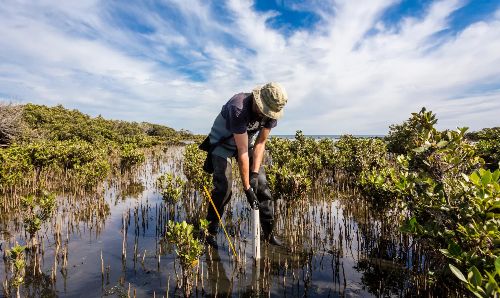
(221, 194)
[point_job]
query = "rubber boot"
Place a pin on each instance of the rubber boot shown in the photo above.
(267, 233)
(211, 238)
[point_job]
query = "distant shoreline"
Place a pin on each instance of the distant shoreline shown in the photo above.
(335, 137)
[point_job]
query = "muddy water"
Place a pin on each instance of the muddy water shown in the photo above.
(110, 244)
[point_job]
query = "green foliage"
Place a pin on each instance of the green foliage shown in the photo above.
(58, 123)
(204, 227)
(193, 167)
(471, 228)
(188, 249)
(451, 199)
(356, 155)
(67, 141)
(303, 154)
(166, 133)
(170, 187)
(365, 164)
(404, 137)
(477, 283)
(488, 146)
(385, 186)
(130, 155)
(88, 164)
(295, 164)
(286, 184)
(16, 256)
(15, 163)
(38, 208)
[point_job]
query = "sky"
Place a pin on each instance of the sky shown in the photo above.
(348, 66)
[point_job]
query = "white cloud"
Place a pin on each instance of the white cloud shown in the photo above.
(339, 79)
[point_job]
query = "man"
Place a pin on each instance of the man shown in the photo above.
(244, 124)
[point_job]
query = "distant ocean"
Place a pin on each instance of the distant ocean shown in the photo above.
(334, 137)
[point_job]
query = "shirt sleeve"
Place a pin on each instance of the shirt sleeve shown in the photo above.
(237, 120)
(271, 123)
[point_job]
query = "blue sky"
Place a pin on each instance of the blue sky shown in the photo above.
(348, 66)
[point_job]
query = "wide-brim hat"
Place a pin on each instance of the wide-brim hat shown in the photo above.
(270, 99)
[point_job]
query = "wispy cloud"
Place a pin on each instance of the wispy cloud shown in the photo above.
(177, 61)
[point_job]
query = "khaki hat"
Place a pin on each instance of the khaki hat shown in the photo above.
(270, 99)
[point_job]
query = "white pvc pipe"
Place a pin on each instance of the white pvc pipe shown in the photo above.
(256, 234)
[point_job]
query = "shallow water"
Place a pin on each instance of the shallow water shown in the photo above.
(336, 246)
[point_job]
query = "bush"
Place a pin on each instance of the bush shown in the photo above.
(355, 155)
(189, 249)
(193, 167)
(465, 223)
(295, 164)
(58, 123)
(38, 208)
(170, 187)
(452, 201)
(130, 155)
(404, 137)
(488, 146)
(15, 259)
(86, 163)
(62, 140)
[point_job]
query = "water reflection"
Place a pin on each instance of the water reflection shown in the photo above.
(219, 283)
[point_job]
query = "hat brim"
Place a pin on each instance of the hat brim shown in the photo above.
(264, 109)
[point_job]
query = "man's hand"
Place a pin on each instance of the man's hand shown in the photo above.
(254, 180)
(252, 198)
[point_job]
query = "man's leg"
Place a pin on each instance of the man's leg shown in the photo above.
(266, 213)
(221, 194)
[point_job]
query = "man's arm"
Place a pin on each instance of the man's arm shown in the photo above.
(259, 148)
(241, 140)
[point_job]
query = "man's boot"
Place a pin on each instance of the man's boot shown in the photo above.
(211, 238)
(267, 233)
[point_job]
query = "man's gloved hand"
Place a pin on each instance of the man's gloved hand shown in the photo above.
(252, 198)
(254, 180)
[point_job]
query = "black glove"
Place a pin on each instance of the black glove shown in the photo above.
(252, 198)
(254, 180)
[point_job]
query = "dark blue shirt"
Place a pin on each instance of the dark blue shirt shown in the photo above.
(241, 118)
(237, 116)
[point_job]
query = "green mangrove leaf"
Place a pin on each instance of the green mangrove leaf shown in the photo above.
(454, 249)
(420, 149)
(476, 278)
(474, 177)
(457, 273)
(441, 144)
(486, 178)
(497, 265)
(495, 175)
(446, 253)
(491, 285)
(410, 226)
